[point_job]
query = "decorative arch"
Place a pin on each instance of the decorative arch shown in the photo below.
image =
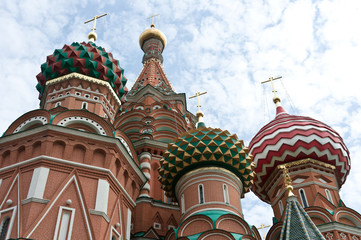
(36, 149)
(232, 223)
(99, 157)
(79, 152)
(58, 149)
(78, 121)
(31, 123)
(195, 224)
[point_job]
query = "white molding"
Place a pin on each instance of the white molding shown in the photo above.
(129, 221)
(58, 222)
(101, 202)
(147, 175)
(145, 155)
(336, 226)
(113, 230)
(48, 158)
(38, 182)
(145, 165)
(41, 119)
(12, 219)
(100, 213)
(146, 186)
(10, 188)
(73, 178)
(106, 139)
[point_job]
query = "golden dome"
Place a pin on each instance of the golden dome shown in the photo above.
(152, 32)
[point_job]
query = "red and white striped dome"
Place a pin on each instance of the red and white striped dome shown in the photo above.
(289, 138)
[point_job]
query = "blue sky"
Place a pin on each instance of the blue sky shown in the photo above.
(224, 47)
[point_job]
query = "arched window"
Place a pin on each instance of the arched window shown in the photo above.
(4, 228)
(280, 205)
(225, 194)
(182, 204)
(303, 198)
(57, 104)
(201, 193)
(328, 195)
(84, 105)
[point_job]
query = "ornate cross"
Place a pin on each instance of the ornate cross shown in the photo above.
(95, 20)
(197, 96)
(273, 87)
(152, 17)
(263, 227)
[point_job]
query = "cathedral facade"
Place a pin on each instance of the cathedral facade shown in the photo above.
(99, 161)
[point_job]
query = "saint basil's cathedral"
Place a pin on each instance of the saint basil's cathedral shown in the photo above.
(99, 161)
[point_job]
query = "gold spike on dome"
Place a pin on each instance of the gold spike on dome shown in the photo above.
(288, 180)
(152, 32)
(199, 113)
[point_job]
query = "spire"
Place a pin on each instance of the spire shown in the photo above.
(152, 41)
(297, 224)
(92, 36)
(199, 113)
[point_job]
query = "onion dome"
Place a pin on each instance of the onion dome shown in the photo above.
(84, 58)
(289, 138)
(204, 147)
(152, 32)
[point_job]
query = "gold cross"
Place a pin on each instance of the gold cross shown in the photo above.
(95, 20)
(263, 227)
(273, 87)
(197, 96)
(152, 17)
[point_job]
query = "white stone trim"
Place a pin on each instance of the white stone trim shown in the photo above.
(145, 165)
(38, 119)
(38, 182)
(113, 230)
(12, 219)
(43, 157)
(73, 178)
(60, 224)
(146, 186)
(129, 221)
(101, 202)
(145, 155)
(87, 121)
(147, 175)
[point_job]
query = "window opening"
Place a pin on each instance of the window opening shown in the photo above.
(201, 193)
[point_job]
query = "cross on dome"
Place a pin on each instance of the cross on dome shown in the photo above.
(152, 17)
(92, 36)
(276, 99)
(199, 113)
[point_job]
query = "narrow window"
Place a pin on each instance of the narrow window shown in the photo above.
(4, 228)
(64, 223)
(182, 204)
(225, 194)
(57, 104)
(84, 105)
(201, 193)
(303, 198)
(280, 205)
(328, 195)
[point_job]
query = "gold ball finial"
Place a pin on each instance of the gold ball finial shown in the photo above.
(152, 32)
(92, 36)
(276, 99)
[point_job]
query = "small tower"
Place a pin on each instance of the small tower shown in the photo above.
(318, 163)
(208, 171)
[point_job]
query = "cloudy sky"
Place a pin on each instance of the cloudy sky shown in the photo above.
(224, 47)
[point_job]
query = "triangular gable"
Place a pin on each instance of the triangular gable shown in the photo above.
(151, 233)
(323, 202)
(172, 222)
(70, 189)
(157, 218)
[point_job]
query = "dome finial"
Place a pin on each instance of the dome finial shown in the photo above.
(92, 36)
(276, 98)
(199, 113)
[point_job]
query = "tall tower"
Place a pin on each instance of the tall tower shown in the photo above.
(318, 162)
(66, 172)
(153, 116)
